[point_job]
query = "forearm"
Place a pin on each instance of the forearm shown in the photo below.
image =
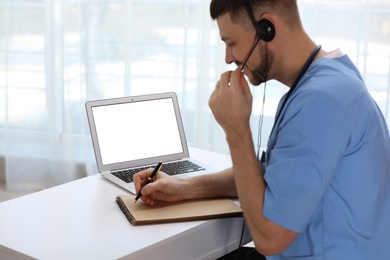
(268, 237)
(249, 180)
(231, 104)
(219, 184)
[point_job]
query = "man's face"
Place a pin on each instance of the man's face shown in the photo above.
(239, 40)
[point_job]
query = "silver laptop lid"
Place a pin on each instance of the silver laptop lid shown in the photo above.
(135, 131)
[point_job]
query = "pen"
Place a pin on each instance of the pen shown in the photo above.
(149, 179)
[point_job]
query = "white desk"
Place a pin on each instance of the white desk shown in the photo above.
(81, 220)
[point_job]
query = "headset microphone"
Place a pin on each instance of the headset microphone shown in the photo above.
(250, 53)
(265, 31)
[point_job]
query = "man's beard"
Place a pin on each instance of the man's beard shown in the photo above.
(260, 73)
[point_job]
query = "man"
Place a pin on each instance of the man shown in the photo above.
(322, 191)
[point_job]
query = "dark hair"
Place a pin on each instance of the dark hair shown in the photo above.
(220, 7)
(287, 10)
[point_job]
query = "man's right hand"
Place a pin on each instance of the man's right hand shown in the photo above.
(163, 187)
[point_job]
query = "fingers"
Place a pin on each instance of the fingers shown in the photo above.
(222, 83)
(237, 80)
(140, 177)
(232, 79)
(152, 191)
(149, 189)
(225, 79)
(147, 194)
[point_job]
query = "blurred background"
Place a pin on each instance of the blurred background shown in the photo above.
(57, 54)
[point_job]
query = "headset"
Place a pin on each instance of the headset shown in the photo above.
(264, 28)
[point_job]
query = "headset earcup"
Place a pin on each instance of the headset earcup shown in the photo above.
(266, 30)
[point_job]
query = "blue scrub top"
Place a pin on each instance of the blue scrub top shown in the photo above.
(328, 167)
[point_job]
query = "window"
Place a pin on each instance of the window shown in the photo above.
(56, 55)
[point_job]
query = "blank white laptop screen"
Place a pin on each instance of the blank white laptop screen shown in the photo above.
(136, 130)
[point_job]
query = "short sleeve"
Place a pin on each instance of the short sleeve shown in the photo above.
(309, 143)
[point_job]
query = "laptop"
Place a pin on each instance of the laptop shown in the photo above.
(134, 133)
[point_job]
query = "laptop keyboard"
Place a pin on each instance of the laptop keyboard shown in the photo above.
(173, 168)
